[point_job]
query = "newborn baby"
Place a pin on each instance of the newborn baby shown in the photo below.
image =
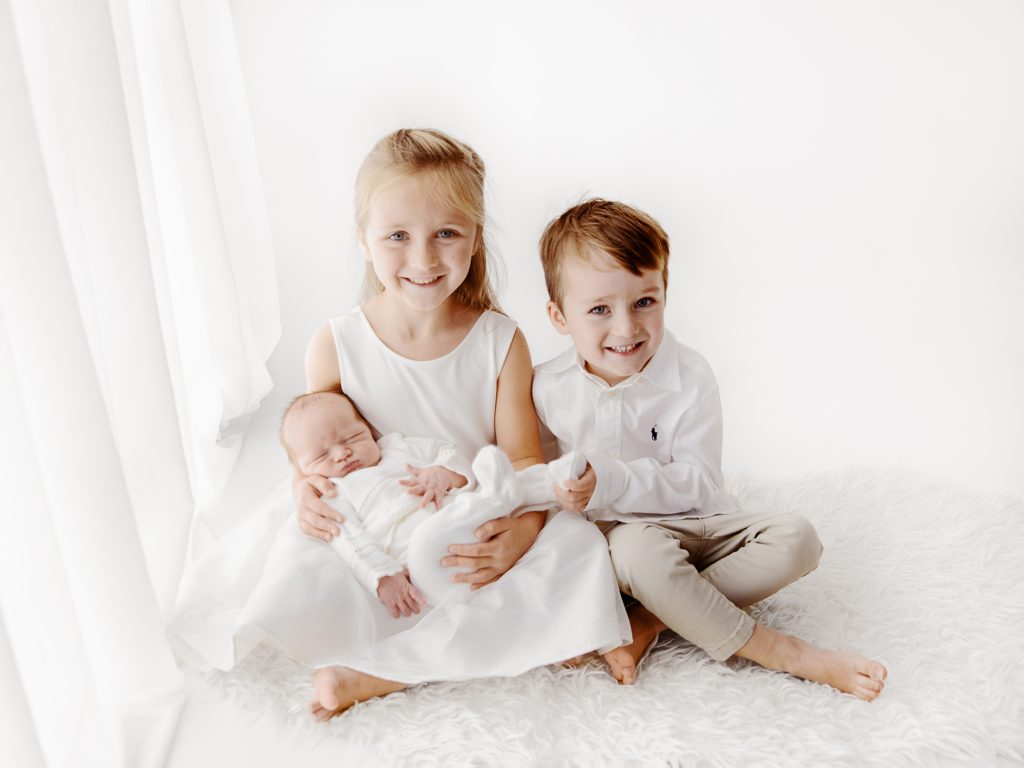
(388, 488)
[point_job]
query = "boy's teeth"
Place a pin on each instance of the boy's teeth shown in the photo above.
(627, 348)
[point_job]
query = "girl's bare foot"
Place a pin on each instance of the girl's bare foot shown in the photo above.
(335, 689)
(624, 661)
(578, 661)
(848, 672)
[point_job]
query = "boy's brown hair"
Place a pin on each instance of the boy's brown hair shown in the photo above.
(631, 238)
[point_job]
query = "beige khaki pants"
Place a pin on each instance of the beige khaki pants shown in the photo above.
(695, 574)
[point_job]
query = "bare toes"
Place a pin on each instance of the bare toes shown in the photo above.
(872, 669)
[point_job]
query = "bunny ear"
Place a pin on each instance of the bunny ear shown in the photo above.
(495, 476)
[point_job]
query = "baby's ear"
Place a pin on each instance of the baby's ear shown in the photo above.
(557, 318)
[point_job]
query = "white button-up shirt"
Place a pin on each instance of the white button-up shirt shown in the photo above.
(654, 440)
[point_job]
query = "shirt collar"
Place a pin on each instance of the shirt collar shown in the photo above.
(662, 370)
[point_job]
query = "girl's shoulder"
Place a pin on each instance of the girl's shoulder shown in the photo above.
(322, 372)
(322, 368)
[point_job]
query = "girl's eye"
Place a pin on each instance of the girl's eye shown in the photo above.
(601, 310)
(645, 302)
(398, 236)
(447, 234)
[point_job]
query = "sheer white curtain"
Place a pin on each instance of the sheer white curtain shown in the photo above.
(138, 307)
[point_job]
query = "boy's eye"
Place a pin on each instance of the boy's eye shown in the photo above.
(398, 236)
(645, 302)
(599, 310)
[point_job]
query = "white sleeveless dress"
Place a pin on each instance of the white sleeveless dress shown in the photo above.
(268, 582)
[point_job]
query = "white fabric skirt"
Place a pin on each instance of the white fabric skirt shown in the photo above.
(266, 581)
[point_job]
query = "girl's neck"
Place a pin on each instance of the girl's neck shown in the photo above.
(419, 335)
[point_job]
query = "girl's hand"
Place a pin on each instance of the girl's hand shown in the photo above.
(316, 517)
(399, 595)
(576, 493)
(431, 483)
(502, 542)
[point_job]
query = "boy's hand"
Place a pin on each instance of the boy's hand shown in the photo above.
(577, 493)
(431, 483)
(316, 517)
(399, 595)
(502, 542)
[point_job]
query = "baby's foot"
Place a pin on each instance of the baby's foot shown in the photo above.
(846, 671)
(335, 689)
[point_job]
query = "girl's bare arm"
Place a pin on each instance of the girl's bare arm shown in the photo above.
(316, 517)
(504, 540)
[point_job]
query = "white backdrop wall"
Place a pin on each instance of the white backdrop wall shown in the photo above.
(843, 185)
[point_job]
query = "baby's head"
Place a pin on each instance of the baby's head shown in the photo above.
(324, 434)
(419, 178)
(606, 268)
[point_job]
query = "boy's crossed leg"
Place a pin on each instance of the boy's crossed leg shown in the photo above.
(748, 558)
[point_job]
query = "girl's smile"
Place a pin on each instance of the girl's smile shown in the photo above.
(419, 245)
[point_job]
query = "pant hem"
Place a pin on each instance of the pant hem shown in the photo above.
(736, 639)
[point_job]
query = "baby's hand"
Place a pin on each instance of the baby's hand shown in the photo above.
(576, 493)
(431, 483)
(399, 595)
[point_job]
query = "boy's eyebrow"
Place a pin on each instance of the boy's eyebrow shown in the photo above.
(652, 288)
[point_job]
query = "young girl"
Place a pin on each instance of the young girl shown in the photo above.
(426, 355)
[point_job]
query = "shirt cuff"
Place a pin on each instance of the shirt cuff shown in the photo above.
(611, 482)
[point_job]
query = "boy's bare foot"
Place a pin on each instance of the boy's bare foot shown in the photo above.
(621, 664)
(624, 661)
(335, 689)
(843, 670)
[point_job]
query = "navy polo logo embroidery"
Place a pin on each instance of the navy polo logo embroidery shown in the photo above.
(654, 433)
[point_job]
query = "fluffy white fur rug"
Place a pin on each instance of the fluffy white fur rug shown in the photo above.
(923, 577)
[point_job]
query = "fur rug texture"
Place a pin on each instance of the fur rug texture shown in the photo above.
(925, 578)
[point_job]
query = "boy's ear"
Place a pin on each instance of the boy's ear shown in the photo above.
(557, 318)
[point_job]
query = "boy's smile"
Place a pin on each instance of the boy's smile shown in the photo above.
(616, 319)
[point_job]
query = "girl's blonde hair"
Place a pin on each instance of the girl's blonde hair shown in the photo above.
(457, 173)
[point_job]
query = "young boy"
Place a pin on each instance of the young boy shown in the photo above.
(644, 410)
